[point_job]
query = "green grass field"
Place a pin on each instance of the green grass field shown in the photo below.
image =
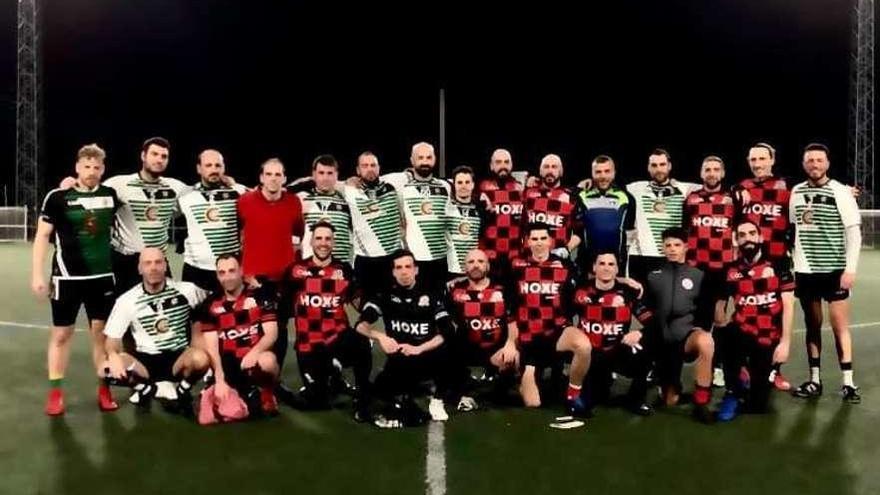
(822, 447)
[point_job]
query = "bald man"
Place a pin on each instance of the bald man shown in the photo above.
(501, 237)
(552, 204)
(479, 314)
(424, 199)
(159, 313)
(211, 221)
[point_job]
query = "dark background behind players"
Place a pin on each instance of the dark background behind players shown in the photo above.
(208, 74)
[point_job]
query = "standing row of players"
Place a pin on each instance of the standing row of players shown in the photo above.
(366, 214)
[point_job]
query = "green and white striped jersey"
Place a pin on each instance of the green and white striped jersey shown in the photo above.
(464, 222)
(820, 215)
(424, 212)
(375, 218)
(658, 207)
(330, 207)
(145, 211)
(211, 224)
(160, 322)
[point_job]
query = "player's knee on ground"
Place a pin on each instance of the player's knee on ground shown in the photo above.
(528, 388)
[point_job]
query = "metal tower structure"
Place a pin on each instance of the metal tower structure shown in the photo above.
(862, 90)
(28, 115)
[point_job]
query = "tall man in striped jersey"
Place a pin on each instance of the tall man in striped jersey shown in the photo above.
(501, 239)
(424, 199)
(826, 254)
(552, 204)
(322, 202)
(659, 205)
(78, 220)
(604, 216)
(148, 202)
(465, 220)
(764, 201)
(376, 221)
(709, 217)
(159, 312)
(211, 221)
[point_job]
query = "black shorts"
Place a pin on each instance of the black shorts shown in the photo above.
(714, 285)
(433, 274)
(469, 354)
(782, 266)
(641, 266)
(540, 353)
(204, 279)
(372, 275)
(670, 358)
(159, 366)
(351, 349)
(818, 286)
(96, 294)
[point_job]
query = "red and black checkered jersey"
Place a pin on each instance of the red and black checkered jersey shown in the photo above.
(757, 297)
(539, 296)
(710, 218)
(605, 315)
(501, 238)
(553, 206)
(481, 313)
(238, 323)
(319, 294)
(768, 208)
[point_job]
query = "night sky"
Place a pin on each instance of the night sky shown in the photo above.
(294, 79)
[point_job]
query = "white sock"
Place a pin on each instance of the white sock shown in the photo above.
(848, 378)
(814, 374)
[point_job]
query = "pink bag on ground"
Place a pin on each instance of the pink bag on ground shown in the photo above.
(212, 410)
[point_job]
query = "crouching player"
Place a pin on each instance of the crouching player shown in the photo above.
(605, 308)
(239, 329)
(159, 312)
(479, 314)
(761, 334)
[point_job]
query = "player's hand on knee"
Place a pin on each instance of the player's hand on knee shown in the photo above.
(117, 367)
(633, 339)
(780, 354)
(249, 360)
(388, 345)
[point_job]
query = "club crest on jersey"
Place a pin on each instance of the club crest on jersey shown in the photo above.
(496, 297)
(687, 283)
(212, 214)
(617, 301)
(337, 275)
(807, 217)
(249, 303)
(373, 207)
(91, 224)
(426, 208)
(152, 213)
(660, 206)
(300, 272)
(161, 325)
(461, 296)
(464, 228)
(424, 301)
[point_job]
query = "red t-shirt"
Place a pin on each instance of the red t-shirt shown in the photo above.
(267, 229)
